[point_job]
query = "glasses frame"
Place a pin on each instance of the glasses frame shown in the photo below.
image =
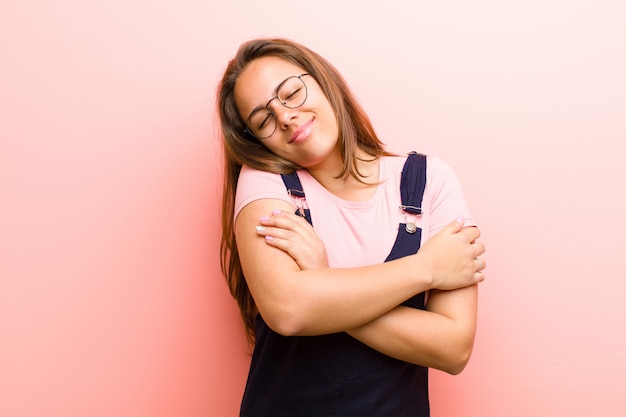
(306, 95)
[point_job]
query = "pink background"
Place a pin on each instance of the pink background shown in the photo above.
(111, 298)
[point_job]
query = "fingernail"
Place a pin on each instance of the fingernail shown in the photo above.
(460, 219)
(260, 228)
(264, 218)
(276, 211)
(268, 238)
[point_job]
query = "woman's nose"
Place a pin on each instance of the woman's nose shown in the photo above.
(284, 115)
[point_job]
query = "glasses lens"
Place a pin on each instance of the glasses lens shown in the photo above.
(292, 93)
(262, 123)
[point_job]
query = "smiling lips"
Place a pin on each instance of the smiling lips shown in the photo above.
(302, 133)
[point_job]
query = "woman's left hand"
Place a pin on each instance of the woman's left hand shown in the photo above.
(294, 235)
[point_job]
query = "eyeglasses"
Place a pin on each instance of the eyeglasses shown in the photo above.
(291, 93)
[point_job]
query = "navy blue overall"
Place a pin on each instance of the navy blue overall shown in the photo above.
(335, 375)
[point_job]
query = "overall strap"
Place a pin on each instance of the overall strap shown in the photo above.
(412, 185)
(295, 190)
(408, 240)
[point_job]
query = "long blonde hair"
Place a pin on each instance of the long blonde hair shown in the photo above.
(355, 132)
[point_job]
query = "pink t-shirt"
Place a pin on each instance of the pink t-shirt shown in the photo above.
(359, 233)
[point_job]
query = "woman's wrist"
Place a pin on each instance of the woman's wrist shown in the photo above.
(422, 272)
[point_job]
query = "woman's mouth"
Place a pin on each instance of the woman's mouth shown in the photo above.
(302, 132)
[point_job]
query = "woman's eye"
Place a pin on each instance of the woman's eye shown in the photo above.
(293, 94)
(264, 121)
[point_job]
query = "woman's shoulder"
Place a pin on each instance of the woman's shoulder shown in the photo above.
(254, 184)
(397, 160)
(252, 180)
(433, 162)
(247, 170)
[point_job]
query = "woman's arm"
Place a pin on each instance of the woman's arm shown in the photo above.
(441, 337)
(297, 301)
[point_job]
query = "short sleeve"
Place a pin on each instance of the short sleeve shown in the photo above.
(256, 185)
(446, 198)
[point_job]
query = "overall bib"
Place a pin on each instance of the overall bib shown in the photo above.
(336, 375)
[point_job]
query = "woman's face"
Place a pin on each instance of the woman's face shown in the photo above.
(306, 135)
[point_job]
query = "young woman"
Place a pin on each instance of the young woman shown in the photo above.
(346, 314)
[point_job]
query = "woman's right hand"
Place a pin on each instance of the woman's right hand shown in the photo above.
(293, 235)
(452, 257)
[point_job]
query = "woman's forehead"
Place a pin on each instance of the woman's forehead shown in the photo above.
(259, 79)
(272, 70)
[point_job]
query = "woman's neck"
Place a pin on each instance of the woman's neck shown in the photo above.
(350, 188)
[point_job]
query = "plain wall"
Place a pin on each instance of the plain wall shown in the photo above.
(111, 298)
